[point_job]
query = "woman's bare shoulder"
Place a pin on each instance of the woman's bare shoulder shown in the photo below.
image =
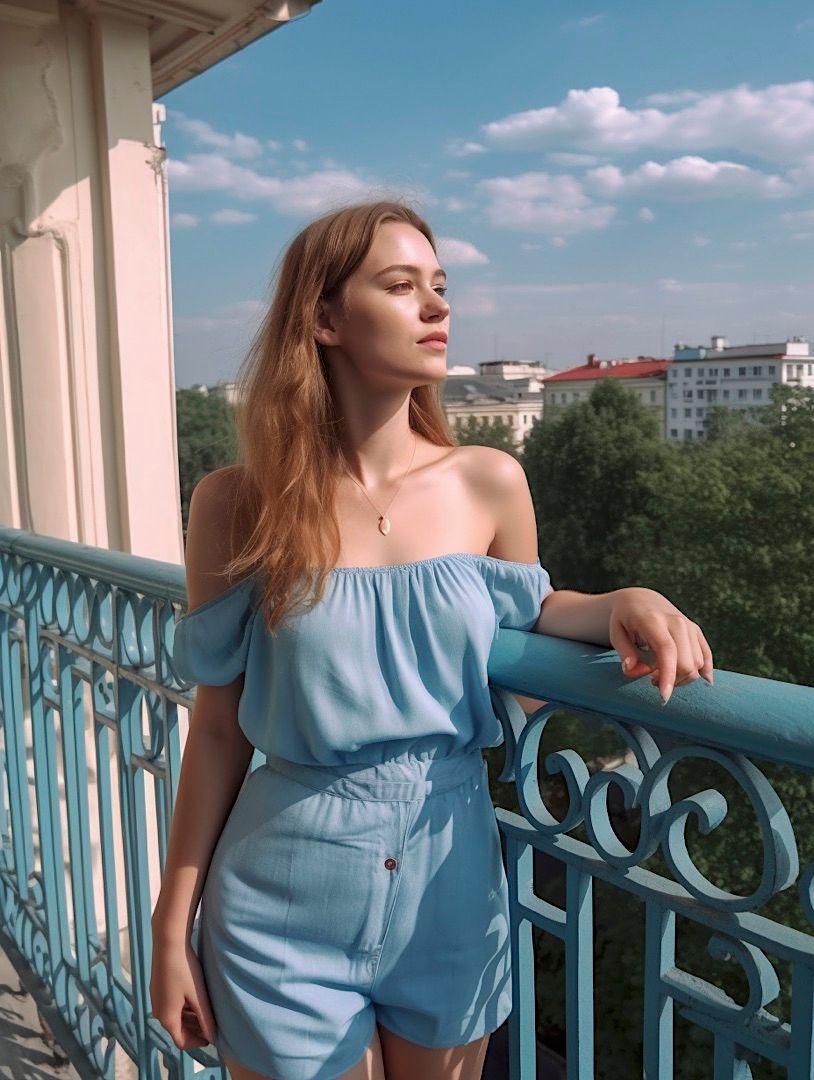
(217, 530)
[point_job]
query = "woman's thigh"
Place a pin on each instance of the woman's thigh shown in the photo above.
(404, 1060)
(370, 1067)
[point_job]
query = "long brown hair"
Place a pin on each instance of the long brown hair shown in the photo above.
(286, 417)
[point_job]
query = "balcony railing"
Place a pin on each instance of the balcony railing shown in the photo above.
(92, 737)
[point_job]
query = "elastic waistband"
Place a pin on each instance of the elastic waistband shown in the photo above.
(396, 780)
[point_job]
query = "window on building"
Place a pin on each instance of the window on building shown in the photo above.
(652, 395)
(726, 372)
(673, 433)
(771, 369)
(699, 412)
(757, 393)
(726, 395)
(741, 394)
(713, 371)
(688, 395)
(758, 370)
(687, 372)
(687, 433)
(800, 369)
(699, 394)
(673, 413)
(809, 369)
(563, 398)
(687, 413)
(741, 370)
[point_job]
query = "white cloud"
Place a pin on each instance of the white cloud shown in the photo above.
(239, 314)
(569, 160)
(686, 177)
(476, 302)
(232, 217)
(272, 144)
(586, 21)
(701, 241)
(184, 221)
(557, 241)
(455, 206)
(542, 202)
(452, 252)
(463, 148)
(776, 123)
(646, 214)
(300, 145)
(236, 145)
(669, 284)
(528, 246)
(798, 218)
(295, 195)
(674, 97)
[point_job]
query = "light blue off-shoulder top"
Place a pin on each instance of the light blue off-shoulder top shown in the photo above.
(392, 661)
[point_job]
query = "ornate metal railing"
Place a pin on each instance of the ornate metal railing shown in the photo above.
(726, 725)
(91, 749)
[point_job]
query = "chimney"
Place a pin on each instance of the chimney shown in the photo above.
(719, 342)
(593, 360)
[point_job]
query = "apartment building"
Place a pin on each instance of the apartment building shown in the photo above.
(739, 377)
(644, 376)
(510, 390)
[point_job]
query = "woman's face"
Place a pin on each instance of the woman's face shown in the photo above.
(392, 300)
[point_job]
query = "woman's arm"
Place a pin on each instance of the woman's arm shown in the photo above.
(217, 753)
(630, 620)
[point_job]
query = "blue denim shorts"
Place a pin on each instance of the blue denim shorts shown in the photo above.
(342, 897)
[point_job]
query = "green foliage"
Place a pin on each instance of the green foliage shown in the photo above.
(481, 433)
(725, 528)
(207, 439)
(593, 472)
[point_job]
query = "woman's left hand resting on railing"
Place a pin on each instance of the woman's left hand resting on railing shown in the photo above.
(632, 621)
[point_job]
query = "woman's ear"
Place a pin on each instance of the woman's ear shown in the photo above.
(324, 331)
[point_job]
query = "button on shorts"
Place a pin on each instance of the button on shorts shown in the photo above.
(342, 897)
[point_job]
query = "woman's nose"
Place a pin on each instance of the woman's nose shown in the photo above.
(438, 305)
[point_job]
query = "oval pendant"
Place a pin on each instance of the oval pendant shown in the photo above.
(384, 525)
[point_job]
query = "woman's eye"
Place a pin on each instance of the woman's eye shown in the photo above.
(441, 289)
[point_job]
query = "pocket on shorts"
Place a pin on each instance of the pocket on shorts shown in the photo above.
(300, 864)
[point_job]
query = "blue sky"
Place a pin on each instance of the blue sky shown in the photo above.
(609, 179)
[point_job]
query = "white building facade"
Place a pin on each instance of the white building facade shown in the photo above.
(738, 377)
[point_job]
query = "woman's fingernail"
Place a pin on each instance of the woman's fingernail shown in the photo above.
(626, 664)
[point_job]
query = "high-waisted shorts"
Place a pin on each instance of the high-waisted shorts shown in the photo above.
(342, 897)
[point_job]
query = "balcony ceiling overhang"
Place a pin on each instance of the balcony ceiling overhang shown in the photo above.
(188, 38)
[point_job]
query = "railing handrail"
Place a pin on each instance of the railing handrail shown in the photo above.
(120, 568)
(764, 718)
(756, 717)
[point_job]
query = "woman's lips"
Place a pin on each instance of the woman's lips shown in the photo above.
(433, 344)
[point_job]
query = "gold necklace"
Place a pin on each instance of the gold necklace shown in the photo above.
(384, 521)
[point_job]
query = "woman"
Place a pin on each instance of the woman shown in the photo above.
(354, 916)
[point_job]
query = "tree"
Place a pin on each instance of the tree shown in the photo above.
(481, 433)
(207, 439)
(595, 472)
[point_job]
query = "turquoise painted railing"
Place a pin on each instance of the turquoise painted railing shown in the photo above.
(90, 701)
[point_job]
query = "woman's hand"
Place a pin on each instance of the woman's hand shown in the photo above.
(644, 621)
(178, 995)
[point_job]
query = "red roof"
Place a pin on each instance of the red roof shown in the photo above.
(632, 369)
